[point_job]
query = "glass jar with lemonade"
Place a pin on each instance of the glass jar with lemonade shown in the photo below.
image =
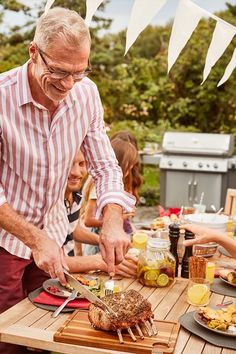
(156, 265)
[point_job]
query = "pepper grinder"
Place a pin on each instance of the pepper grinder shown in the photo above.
(174, 237)
(188, 253)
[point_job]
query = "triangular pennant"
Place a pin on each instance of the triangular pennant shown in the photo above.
(222, 36)
(141, 15)
(91, 8)
(229, 69)
(48, 5)
(186, 20)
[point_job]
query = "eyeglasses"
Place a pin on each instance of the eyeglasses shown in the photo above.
(59, 75)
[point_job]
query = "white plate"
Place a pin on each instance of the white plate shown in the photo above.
(54, 287)
(227, 282)
(198, 319)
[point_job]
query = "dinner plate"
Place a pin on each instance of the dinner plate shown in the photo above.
(227, 282)
(199, 320)
(54, 287)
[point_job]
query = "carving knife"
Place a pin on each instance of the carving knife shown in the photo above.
(85, 292)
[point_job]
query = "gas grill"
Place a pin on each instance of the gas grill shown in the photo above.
(196, 163)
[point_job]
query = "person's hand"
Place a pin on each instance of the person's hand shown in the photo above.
(49, 257)
(114, 242)
(128, 267)
(202, 234)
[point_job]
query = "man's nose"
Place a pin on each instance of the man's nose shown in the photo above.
(68, 82)
(76, 171)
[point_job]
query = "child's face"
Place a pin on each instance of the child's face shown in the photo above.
(77, 174)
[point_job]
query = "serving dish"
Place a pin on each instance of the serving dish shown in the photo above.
(202, 323)
(227, 282)
(205, 250)
(54, 287)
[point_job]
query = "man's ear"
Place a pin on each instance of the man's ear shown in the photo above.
(33, 53)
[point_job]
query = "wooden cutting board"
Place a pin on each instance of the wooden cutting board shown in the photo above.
(78, 330)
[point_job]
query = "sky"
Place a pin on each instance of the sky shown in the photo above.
(119, 11)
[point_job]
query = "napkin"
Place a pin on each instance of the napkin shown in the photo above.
(48, 299)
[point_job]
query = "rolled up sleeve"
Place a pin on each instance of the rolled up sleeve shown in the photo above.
(2, 194)
(102, 163)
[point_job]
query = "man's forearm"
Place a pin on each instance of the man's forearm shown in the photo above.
(17, 225)
(113, 213)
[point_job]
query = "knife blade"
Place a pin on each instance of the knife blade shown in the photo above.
(87, 293)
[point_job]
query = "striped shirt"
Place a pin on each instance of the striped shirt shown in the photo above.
(36, 155)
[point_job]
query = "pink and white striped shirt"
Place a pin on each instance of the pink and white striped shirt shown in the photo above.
(36, 154)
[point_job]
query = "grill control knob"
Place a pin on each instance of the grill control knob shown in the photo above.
(170, 163)
(215, 165)
(185, 164)
(200, 164)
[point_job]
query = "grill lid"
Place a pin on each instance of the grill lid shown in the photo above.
(198, 144)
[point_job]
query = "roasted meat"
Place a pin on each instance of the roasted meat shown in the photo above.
(131, 308)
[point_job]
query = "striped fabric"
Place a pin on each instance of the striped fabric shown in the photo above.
(36, 155)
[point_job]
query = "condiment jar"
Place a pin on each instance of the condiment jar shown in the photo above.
(156, 265)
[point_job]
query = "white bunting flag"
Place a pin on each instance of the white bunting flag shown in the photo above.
(186, 20)
(141, 15)
(229, 69)
(91, 8)
(48, 5)
(222, 36)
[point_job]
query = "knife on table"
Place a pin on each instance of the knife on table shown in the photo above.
(85, 292)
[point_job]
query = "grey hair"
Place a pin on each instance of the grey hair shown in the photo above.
(63, 24)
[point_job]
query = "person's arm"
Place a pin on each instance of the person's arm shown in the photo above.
(114, 242)
(112, 200)
(89, 215)
(46, 253)
(82, 264)
(205, 235)
(81, 234)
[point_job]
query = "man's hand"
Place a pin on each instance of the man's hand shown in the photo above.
(49, 257)
(128, 267)
(114, 242)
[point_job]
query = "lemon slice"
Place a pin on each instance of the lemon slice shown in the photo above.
(198, 294)
(162, 280)
(139, 240)
(151, 274)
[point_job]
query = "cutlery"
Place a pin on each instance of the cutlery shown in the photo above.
(85, 292)
(60, 308)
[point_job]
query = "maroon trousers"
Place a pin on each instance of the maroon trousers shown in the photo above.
(18, 277)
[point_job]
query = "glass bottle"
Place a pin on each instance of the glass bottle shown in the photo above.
(188, 253)
(174, 237)
(156, 265)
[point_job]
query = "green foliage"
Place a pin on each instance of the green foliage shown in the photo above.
(150, 190)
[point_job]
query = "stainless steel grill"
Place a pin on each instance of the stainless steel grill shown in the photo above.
(193, 163)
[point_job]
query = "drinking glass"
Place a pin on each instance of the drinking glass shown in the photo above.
(198, 293)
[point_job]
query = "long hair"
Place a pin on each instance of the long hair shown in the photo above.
(137, 179)
(128, 158)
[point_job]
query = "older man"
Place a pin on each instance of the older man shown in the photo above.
(48, 110)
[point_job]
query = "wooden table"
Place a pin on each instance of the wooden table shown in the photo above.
(27, 325)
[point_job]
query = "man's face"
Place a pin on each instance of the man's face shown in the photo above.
(77, 174)
(58, 58)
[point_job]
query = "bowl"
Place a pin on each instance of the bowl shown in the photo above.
(205, 250)
(210, 220)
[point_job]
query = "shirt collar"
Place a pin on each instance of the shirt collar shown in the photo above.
(24, 95)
